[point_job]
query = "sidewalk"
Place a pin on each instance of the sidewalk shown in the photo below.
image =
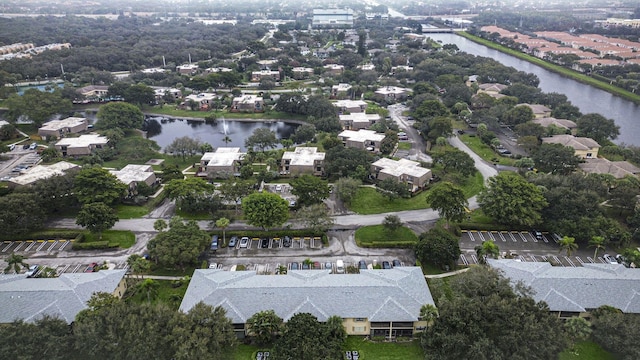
(440, 276)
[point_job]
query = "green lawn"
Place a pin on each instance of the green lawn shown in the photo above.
(586, 350)
(188, 271)
(369, 201)
(378, 235)
(131, 211)
(403, 145)
(124, 239)
(245, 352)
(485, 151)
(369, 350)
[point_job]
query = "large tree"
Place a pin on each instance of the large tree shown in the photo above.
(315, 217)
(449, 201)
(346, 188)
(193, 195)
(47, 336)
(617, 332)
(180, 245)
(119, 115)
(555, 159)
(96, 217)
(305, 338)
(454, 160)
(20, 213)
(234, 191)
(598, 128)
(343, 161)
(309, 189)
(95, 184)
(512, 200)
(482, 315)
(38, 106)
(438, 247)
(184, 146)
(261, 138)
(139, 94)
(265, 209)
(16, 262)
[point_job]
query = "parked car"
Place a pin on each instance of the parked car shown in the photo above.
(214, 243)
(316, 265)
(264, 243)
(294, 266)
(91, 268)
(233, 241)
(305, 266)
(609, 259)
(537, 234)
(213, 266)
(362, 265)
(386, 265)
(396, 263)
(244, 242)
(33, 146)
(286, 241)
(12, 147)
(33, 270)
(278, 188)
(25, 147)
(339, 266)
(328, 265)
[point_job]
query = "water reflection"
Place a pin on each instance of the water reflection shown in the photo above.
(165, 130)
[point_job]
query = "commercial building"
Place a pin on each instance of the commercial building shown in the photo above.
(332, 18)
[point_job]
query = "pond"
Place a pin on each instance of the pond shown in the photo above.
(164, 130)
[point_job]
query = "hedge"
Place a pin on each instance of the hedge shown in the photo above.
(93, 245)
(388, 244)
(63, 234)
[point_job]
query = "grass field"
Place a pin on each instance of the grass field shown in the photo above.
(586, 350)
(377, 234)
(245, 352)
(485, 151)
(369, 350)
(403, 145)
(131, 211)
(124, 239)
(168, 293)
(369, 201)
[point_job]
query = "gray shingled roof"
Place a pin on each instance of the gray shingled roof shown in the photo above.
(379, 295)
(65, 296)
(577, 289)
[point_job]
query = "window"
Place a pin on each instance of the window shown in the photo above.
(359, 319)
(589, 155)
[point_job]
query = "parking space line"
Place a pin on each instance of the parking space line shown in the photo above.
(502, 236)
(533, 258)
(76, 268)
(463, 259)
(64, 269)
(491, 236)
(53, 246)
(555, 258)
(522, 258)
(544, 258)
(579, 260)
(569, 261)
(535, 239)
(481, 235)
(30, 245)
(471, 236)
(555, 237)
(601, 260)
(544, 237)
(513, 237)
(589, 259)
(524, 239)
(64, 244)
(4, 249)
(41, 245)
(474, 258)
(20, 243)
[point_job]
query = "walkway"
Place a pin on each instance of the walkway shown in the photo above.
(452, 273)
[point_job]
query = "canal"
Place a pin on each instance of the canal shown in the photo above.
(587, 98)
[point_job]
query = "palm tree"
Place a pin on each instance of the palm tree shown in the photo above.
(308, 262)
(428, 313)
(15, 261)
(487, 249)
(282, 270)
(222, 223)
(598, 243)
(226, 139)
(568, 244)
(150, 287)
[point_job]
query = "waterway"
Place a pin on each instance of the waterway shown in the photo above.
(588, 99)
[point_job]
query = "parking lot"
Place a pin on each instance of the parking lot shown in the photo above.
(524, 246)
(70, 268)
(284, 190)
(33, 246)
(296, 242)
(19, 161)
(313, 264)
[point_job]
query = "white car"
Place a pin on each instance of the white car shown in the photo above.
(33, 270)
(244, 242)
(278, 188)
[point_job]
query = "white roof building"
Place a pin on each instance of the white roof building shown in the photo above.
(222, 157)
(359, 120)
(56, 125)
(41, 172)
(132, 174)
(323, 18)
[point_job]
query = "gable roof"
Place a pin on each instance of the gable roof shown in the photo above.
(577, 143)
(618, 169)
(379, 295)
(561, 123)
(64, 297)
(577, 289)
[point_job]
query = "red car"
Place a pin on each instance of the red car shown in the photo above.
(91, 268)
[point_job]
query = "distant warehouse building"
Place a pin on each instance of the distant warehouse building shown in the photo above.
(332, 18)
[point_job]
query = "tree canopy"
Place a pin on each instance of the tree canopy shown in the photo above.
(96, 217)
(598, 128)
(448, 200)
(305, 338)
(482, 315)
(555, 159)
(95, 184)
(438, 247)
(261, 138)
(309, 189)
(179, 245)
(119, 115)
(512, 200)
(36, 105)
(265, 209)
